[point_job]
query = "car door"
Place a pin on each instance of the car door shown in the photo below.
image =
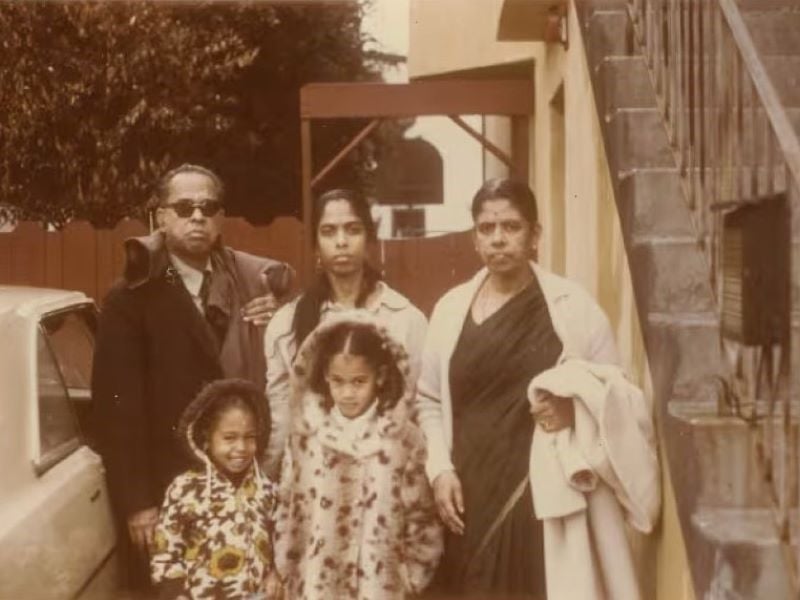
(67, 537)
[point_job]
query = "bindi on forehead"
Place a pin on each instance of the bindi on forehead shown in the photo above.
(498, 209)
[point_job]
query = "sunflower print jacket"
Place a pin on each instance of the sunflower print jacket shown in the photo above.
(356, 518)
(213, 540)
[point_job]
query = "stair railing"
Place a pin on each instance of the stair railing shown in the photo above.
(734, 144)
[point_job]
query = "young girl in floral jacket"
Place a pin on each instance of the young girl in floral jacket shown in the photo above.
(356, 517)
(213, 538)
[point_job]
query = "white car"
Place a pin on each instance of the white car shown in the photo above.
(57, 537)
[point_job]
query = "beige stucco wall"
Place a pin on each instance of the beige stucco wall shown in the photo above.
(595, 255)
(454, 35)
(569, 173)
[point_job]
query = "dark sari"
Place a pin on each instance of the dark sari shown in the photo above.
(501, 552)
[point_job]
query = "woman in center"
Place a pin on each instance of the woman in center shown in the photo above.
(343, 232)
(488, 338)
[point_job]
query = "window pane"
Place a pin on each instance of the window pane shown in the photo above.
(72, 341)
(57, 425)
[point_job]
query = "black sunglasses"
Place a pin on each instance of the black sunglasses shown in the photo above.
(185, 208)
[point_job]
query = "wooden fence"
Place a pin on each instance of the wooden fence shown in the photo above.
(80, 257)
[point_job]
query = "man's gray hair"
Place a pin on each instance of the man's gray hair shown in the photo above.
(162, 187)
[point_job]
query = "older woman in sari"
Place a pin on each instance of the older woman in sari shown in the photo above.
(487, 339)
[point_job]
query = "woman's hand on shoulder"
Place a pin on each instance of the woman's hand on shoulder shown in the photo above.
(553, 413)
(449, 500)
(259, 311)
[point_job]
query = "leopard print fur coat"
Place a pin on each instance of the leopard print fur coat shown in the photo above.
(356, 517)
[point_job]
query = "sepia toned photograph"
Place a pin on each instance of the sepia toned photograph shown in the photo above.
(388, 299)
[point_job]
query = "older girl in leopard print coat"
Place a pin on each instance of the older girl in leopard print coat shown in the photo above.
(356, 517)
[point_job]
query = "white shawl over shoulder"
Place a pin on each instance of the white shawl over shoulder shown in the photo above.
(588, 481)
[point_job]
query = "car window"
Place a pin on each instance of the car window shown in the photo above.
(58, 428)
(70, 338)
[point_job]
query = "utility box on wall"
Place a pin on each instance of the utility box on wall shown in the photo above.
(755, 272)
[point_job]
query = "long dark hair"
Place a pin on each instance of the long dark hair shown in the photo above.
(358, 339)
(309, 305)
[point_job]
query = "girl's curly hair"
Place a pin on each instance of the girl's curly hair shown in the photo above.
(357, 339)
(217, 397)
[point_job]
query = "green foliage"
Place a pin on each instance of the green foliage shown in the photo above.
(99, 98)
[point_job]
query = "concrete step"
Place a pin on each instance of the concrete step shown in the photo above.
(671, 275)
(724, 451)
(653, 205)
(586, 9)
(746, 559)
(724, 495)
(625, 82)
(649, 204)
(605, 5)
(687, 349)
(608, 33)
(638, 139)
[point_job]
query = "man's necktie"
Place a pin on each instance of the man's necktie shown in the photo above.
(213, 315)
(205, 286)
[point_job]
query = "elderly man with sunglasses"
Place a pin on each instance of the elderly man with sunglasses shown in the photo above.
(187, 311)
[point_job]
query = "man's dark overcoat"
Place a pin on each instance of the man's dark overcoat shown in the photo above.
(155, 350)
